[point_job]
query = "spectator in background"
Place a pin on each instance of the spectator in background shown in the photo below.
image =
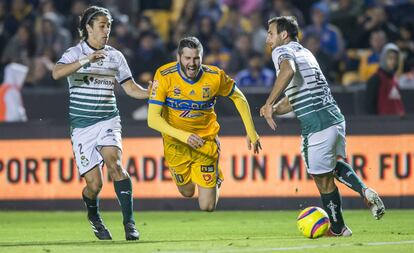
(72, 20)
(11, 102)
(147, 57)
(176, 33)
(217, 54)
(246, 7)
(327, 65)
(211, 8)
(21, 48)
(406, 42)
(122, 38)
(256, 75)
(20, 12)
(4, 36)
(406, 80)
(233, 24)
(240, 53)
(370, 60)
(258, 33)
(52, 35)
(143, 24)
(383, 96)
(374, 19)
(206, 28)
(344, 14)
(363, 63)
(331, 38)
(284, 8)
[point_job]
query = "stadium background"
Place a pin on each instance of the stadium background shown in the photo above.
(36, 170)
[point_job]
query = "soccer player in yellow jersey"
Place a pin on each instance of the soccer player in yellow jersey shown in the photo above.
(181, 107)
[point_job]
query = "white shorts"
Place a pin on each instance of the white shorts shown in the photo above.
(320, 150)
(87, 143)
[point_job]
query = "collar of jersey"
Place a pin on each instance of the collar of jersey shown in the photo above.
(189, 80)
(91, 47)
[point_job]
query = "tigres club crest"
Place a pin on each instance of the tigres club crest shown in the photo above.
(206, 92)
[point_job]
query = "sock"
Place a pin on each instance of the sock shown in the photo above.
(346, 175)
(332, 205)
(123, 190)
(92, 205)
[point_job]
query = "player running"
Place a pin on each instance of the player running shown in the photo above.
(181, 107)
(300, 78)
(92, 69)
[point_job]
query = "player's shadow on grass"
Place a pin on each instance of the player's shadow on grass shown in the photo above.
(78, 243)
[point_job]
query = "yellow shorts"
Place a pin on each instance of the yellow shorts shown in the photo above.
(199, 166)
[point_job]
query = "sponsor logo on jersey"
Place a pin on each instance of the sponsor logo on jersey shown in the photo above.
(190, 114)
(207, 168)
(192, 93)
(90, 80)
(207, 177)
(189, 104)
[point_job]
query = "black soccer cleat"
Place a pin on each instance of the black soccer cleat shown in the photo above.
(131, 233)
(99, 229)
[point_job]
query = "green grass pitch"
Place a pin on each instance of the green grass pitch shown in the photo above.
(218, 232)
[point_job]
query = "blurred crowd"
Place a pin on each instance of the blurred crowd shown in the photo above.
(346, 36)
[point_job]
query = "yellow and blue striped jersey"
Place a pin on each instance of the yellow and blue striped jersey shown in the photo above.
(189, 104)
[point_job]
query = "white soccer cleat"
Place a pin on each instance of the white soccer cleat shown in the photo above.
(345, 232)
(374, 203)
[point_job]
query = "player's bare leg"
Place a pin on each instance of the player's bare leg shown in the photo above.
(207, 198)
(123, 188)
(90, 194)
(187, 190)
(331, 200)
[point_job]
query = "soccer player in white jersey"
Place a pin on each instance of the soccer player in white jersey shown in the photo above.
(307, 93)
(92, 69)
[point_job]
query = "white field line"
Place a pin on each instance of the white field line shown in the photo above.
(331, 245)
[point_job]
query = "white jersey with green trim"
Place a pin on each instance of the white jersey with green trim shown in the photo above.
(91, 88)
(308, 92)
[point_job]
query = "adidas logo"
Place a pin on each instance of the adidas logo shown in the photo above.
(192, 92)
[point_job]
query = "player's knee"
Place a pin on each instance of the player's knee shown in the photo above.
(95, 187)
(187, 193)
(115, 169)
(208, 207)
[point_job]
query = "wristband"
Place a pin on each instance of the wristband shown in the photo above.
(84, 61)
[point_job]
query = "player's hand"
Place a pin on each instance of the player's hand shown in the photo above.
(256, 146)
(267, 111)
(97, 55)
(195, 141)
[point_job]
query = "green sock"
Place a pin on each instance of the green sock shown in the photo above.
(123, 190)
(332, 205)
(92, 205)
(346, 175)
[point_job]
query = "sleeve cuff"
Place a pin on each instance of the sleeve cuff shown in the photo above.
(152, 101)
(126, 79)
(232, 89)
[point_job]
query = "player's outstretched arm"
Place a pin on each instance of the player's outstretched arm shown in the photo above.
(287, 70)
(157, 122)
(63, 70)
(135, 90)
(242, 106)
(282, 107)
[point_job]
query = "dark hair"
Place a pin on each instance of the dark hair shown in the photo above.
(88, 16)
(288, 24)
(190, 42)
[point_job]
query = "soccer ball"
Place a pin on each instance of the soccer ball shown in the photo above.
(313, 222)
